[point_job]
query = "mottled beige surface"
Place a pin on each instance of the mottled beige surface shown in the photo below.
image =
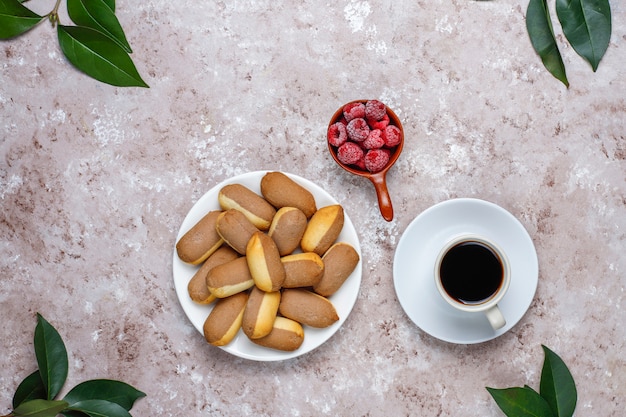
(95, 182)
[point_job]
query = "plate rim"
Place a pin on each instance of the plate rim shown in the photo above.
(349, 295)
(529, 284)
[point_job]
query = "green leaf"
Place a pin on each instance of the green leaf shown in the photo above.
(587, 26)
(520, 402)
(557, 385)
(539, 26)
(111, 4)
(31, 388)
(528, 387)
(98, 56)
(16, 19)
(104, 389)
(51, 357)
(67, 413)
(96, 14)
(39, 408)
(100, 408)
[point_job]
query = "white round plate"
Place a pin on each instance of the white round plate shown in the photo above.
(414, 264)
(241, 346)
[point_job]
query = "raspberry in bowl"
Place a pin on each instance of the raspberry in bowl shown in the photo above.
(365, 137)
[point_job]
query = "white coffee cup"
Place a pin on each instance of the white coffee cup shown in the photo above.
(472, 274)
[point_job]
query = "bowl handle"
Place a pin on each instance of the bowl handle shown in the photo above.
(384, 201)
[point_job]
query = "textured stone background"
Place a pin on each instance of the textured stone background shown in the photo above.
(95, 182)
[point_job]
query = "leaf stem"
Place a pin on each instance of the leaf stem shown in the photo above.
(53, 16)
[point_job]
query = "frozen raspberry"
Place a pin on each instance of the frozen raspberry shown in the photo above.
(391, 136)
(379, 124)
(349, 153)
(337, 134)
(374, 140)
(375, 110)
(354, 111)
(376, 159)
(358, 130)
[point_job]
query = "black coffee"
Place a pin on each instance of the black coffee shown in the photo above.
(471, 272)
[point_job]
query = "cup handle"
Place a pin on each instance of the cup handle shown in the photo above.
(495, 317)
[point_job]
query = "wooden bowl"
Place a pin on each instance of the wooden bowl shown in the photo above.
(379, 179)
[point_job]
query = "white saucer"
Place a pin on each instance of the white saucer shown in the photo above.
(414, 262)
(343, 300)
